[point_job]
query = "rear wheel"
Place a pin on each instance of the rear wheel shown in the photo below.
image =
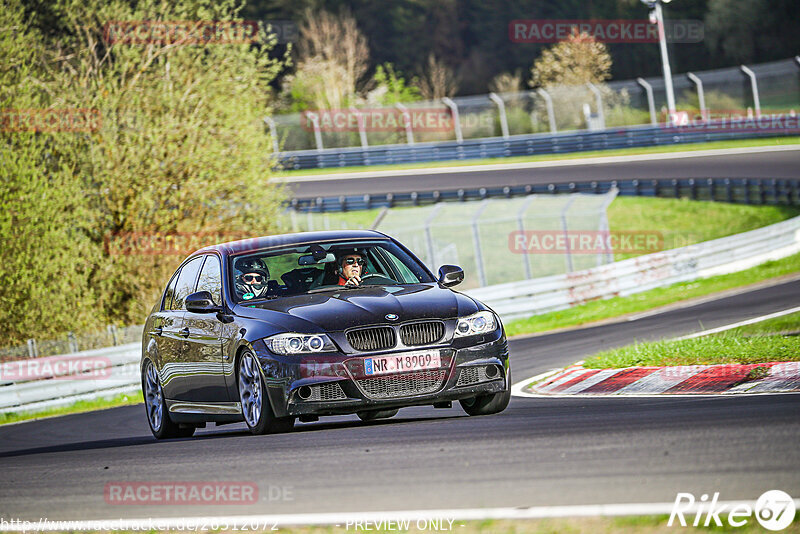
(161, 425)
(371, 415)
(488, 404)
(256, 408)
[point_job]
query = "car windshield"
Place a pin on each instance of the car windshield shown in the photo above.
(319, 267)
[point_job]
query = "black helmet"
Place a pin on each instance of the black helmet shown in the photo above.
(251, 265)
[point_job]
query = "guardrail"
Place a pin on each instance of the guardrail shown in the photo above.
(627, 277)
(525, 145)
(733, 190)
(38, 383)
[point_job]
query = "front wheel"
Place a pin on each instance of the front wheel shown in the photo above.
(161, 425)
(488, 404)
(256, 408)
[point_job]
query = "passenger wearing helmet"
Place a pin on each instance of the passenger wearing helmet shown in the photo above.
(252, 275)
(350, 267)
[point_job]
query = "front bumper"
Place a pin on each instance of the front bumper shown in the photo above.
(352, 396)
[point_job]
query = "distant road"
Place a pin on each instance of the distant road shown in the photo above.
(755, 162)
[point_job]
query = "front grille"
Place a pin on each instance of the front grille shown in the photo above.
(422, 333)
(376, 338)
(475, 375)
(326, 392)
(403, 385)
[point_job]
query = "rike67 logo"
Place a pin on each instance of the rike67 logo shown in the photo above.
(774, 510)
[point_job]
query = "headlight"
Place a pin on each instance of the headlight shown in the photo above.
(475, 324)
(300, 343)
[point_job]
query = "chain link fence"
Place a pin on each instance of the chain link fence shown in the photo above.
(768, 87)
(70, 343)
(479, 236)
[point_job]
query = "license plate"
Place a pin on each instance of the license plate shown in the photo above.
(401, 363)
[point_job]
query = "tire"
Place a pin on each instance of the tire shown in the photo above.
(256, 409)
(488, 404)
(155, 407)
(371, 415)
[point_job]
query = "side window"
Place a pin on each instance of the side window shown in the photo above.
(166, 304)
(186, 282)
(408, 276)
(211, 279)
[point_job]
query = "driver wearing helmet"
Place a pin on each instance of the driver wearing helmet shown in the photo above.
(350, 267)
(251, 278)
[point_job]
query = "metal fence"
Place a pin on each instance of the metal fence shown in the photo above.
(719, 256)
(525, 122)
(70, 343)
(776, 191)
(475, 235)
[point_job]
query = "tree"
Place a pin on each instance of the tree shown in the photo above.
(578, 60)
(437, 80)
(181, 148)
(333, 58)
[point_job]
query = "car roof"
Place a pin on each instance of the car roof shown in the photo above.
(280, 240)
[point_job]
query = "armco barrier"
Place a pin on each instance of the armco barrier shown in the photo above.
(520, 145)
(38, 383)
(720, 256)
(732, 190)
(512, 300)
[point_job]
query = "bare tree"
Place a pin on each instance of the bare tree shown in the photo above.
(437, 80)
(335, 52)
(506, 82)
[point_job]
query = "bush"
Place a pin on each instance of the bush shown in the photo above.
(180, 148)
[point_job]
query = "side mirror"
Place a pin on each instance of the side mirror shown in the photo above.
(450, 275)
(201, 302)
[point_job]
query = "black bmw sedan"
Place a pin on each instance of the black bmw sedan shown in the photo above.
(274, 329)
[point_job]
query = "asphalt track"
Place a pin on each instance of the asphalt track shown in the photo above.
(538, 452)
(751, 164)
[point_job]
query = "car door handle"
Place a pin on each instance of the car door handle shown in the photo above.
(157, 331)
(185, 332)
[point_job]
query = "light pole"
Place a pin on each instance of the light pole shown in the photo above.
(658, 15)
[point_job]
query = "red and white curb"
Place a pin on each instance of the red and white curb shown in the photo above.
(772, 377)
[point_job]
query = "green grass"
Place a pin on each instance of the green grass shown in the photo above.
(786, 324)
(705, 350)
(78, 407)
(687, 147)
(676, 220)
(618, 306)
(760, 342)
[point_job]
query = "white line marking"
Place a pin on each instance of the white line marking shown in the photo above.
(737, 325)
(589, 382)
(457, 515)
(600, 160)
(662, 380)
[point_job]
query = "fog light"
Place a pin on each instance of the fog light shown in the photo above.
(492, 371)
(304, 392)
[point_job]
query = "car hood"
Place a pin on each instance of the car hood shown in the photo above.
(345, 308)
